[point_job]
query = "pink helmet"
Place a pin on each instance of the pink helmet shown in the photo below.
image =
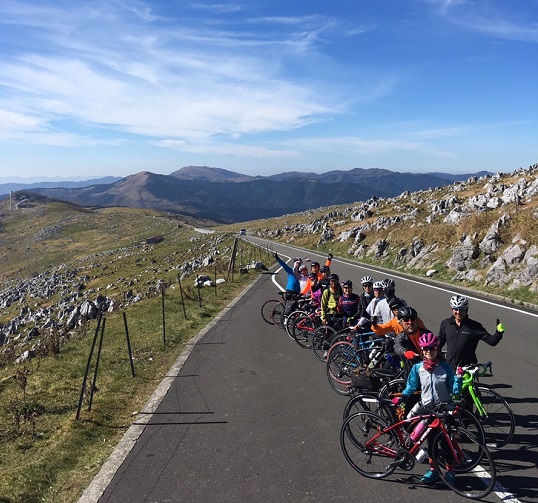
(427, 340)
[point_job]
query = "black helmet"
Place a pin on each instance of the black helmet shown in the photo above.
(407, 312)
(395, 303)
(347, 282)
(324, 268)
(389, 283)
(334, 277)
(313, 275)
(314, 264)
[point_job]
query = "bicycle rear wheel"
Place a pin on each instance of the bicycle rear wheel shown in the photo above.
(472, 472)
(499, 422)
(267, 309)
(366, 447)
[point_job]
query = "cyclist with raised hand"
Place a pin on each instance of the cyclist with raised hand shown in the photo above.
(329, 300)
(349, 304)
(293, 287)
(315, 267)
(303, 278)
(323, 278)
(406, 343)
(461, 334)
(437, 382)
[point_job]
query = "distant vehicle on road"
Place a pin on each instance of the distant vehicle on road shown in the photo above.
(242, 232)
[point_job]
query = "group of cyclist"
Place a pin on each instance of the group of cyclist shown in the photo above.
(377, 309)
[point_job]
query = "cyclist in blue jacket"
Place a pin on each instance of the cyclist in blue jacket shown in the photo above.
(293, 287)
(437, 382)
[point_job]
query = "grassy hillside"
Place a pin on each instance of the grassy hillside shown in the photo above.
(55, 257)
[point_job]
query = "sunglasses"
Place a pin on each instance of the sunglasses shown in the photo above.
(378, 289)
(430, 348)
(459, 309)
(408, 319)
(367, 285)
(346, 286)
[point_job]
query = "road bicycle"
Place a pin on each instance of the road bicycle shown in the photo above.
(488, 406)
(375, 447)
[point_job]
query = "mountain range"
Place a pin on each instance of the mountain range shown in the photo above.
(226, 197)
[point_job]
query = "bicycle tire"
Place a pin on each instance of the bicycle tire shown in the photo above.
(499, 423)
(362, 450)
(320, 341)
(468, 421)
(267, 309)
(369, 402)
(340, 364)
(277, 314)
(474, 483)
(302, 330)
(289, 320)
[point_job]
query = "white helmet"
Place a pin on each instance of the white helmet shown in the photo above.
(367, 279)
(379, 285)
(459, 302)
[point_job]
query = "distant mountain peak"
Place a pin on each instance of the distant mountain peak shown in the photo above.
(209, 174)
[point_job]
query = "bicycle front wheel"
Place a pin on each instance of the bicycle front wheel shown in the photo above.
(468, 469)
(367, 447)
(498, 421)
(369, 402)
(277, 314)
(321, 341)
(340, 364)
(302, 330)
(267, 309)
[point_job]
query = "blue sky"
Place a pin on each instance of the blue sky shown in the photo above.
(113, 87)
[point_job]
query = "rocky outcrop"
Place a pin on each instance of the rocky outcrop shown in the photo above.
(482, 257)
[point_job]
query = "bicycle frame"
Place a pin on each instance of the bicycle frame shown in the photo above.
(469, 380)
(435, 423)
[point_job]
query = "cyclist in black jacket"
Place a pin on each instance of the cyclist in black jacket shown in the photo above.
(461, 334)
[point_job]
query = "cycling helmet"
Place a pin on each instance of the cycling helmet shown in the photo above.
(428, 340)
(303, 268)
(324, 268)
(395, 303)
(378, 285)
(406, 312)
(315, 264)
(366, 279)
(389, 283)
(334, 277)
(347, 282)
(459, 302)
(297, 259)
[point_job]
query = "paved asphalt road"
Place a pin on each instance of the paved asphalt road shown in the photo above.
(250, 416)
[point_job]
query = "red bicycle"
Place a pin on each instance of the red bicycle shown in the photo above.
(375, 448)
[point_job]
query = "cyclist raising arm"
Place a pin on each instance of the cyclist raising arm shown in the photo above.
(461, 334)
